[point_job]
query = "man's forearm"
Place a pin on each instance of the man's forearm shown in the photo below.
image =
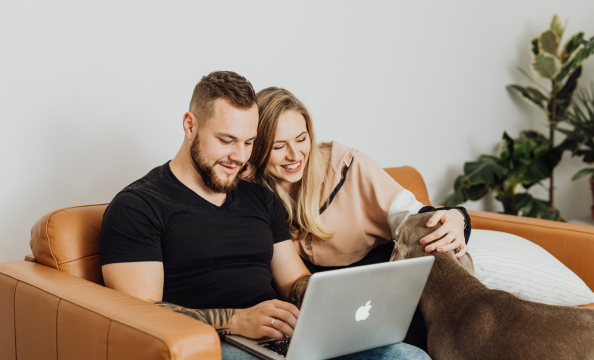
(298, 291)
(218, 318)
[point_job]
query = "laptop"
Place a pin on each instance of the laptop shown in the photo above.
(350, 310)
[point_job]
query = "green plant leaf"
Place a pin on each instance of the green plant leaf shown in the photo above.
(536, 208)
(542, 167)
(582, 173)
(583, 53)
(566, 93)
(550, 42)
(529, 96)
(535, 46)
(571, 47)
(546, 66)
(556, 26)
(482, 172)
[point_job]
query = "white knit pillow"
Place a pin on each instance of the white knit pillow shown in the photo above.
(511, 263)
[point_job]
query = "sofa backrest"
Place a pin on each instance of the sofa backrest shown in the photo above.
(68, 239)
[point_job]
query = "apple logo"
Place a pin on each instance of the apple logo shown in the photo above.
(363, 312)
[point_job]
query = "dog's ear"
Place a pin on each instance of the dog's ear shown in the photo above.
(399, 252)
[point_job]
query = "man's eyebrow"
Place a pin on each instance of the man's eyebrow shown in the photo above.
(279, 141)
(233, 137)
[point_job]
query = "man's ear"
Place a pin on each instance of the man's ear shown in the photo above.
(190, 125)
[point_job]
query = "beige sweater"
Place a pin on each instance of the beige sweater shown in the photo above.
(366, 212)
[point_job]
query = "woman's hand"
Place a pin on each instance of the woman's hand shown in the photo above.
(248, 172)
(452, 232)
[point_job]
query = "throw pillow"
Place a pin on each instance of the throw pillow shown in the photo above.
(511, 263)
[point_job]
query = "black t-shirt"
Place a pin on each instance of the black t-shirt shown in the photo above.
(213, 257)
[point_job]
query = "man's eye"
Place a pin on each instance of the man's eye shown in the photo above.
(225, 142)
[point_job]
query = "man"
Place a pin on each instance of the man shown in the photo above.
(192, 238)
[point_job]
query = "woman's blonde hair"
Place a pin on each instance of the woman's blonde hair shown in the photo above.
(304, 211)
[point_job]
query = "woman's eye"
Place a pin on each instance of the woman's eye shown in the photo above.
(302, 140)
(279, 147)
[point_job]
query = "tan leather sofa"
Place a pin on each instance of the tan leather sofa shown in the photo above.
(54, 305)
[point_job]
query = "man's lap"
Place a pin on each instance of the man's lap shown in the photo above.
(398, 351)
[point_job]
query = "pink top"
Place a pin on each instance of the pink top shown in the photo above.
(365, 213)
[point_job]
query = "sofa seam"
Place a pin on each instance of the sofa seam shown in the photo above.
(82, 258)
(57, 312)
(90, 310)
(16, 355)
(107, 340)
(49, 243)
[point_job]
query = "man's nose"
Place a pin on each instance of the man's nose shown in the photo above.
(240, 154)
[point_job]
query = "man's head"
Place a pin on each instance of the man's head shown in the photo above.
(220, 128)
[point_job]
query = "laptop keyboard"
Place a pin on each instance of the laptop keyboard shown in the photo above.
(279, 347)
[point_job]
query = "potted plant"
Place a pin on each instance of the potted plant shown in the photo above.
(521, 164)
(580, 138)
(561, 66)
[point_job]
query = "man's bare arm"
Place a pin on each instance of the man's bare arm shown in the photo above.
(298, 291)
(218, 318)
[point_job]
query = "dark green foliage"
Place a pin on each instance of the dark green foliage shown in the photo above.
(524, 161)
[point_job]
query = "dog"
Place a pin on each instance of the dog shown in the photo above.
(467, 320)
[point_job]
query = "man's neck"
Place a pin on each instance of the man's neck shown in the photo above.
(182, 166)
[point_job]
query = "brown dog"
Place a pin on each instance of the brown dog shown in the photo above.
(466, 320)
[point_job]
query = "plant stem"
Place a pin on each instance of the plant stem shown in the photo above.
(552, 123)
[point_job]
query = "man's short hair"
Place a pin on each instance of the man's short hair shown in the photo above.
(221, 84)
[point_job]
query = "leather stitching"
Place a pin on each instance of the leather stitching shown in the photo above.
(49, 245)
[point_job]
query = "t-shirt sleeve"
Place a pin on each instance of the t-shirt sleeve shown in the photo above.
(279, 219)
(130, 231)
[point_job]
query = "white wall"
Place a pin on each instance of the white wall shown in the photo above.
(92, 95)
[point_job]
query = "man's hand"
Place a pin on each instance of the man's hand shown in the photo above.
(452, 232)
(257, 322)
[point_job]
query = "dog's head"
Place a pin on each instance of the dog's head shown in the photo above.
(412, 231)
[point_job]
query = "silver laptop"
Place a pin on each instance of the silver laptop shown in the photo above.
(350, 310)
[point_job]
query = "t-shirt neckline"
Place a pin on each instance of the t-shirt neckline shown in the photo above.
(225, 205)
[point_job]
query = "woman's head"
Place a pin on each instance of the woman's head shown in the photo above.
(287, 159)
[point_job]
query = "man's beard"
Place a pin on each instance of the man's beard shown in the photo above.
(208, 174)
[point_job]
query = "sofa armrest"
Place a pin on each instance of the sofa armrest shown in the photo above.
(44, 311)
(571, 244)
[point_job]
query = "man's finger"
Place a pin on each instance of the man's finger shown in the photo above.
(287, 306)
(273, 333)
(285, 316)
(283, 327)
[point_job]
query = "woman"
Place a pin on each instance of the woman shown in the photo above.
(344, 209)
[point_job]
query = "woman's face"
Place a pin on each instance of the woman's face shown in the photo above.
(290, 149)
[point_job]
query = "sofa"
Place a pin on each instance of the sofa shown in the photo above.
(54, 305)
